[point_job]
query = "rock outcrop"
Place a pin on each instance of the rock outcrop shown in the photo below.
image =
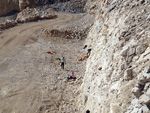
(71, 6)
(120, 41)
(8, 24)
(142, 93)
(29, 15)
(7, 6)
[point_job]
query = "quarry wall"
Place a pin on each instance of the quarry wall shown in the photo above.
(117, 78)
(7, 6)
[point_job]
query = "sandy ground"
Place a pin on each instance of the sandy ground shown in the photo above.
(31, 81)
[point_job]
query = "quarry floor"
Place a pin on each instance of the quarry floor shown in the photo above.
(31, 81)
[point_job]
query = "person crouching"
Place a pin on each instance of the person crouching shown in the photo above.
(72, 76)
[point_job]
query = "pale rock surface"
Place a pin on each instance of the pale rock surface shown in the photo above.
(33, 14)
(120, 41)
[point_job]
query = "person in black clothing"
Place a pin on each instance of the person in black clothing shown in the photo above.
(84, 47)
(87, 111)
(89, 51)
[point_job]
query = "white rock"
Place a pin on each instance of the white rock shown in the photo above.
(145, 99)
(131, 51)
(136, 91)
(128, 74)
(135, 110)
(141, 79)
(147, 86)
(134, 101)
(145, 109)
(148, 91)
(140, 49)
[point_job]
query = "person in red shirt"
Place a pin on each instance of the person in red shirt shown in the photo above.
(72, 76)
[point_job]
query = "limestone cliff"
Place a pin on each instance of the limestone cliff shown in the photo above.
(120, 59)
(7, 6)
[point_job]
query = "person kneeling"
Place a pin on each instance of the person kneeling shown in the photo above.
(72, 76)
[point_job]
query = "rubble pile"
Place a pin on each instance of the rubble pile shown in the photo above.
(72, 30)
(33, 14)
(8, 24)
(141, 103)
(28, 15)
(68, 34)
(72, 6)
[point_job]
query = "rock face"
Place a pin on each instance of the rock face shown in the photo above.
(33, 14)
(120, 41)
(7, 6)
(22, 4)
(71, 6)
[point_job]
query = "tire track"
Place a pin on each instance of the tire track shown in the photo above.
(24, 32)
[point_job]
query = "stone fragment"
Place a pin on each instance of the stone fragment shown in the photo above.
(141, 79)
(148, 91)
(136, 91)
(146, 77)
(131, 51)
(147, 86)
(134, 101)
(140, 49)
(128, 75)
(145, 99)
(124, 52)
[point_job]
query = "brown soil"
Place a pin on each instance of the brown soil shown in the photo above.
(31, 81)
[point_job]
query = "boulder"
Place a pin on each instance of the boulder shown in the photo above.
(128, 75)
(145, 99)
(136, 91)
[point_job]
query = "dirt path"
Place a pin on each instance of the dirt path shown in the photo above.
(31, 81)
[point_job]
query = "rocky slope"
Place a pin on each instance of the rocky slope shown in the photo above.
(117, 79)
(7, 6)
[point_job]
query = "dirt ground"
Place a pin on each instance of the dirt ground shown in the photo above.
(31, 81)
